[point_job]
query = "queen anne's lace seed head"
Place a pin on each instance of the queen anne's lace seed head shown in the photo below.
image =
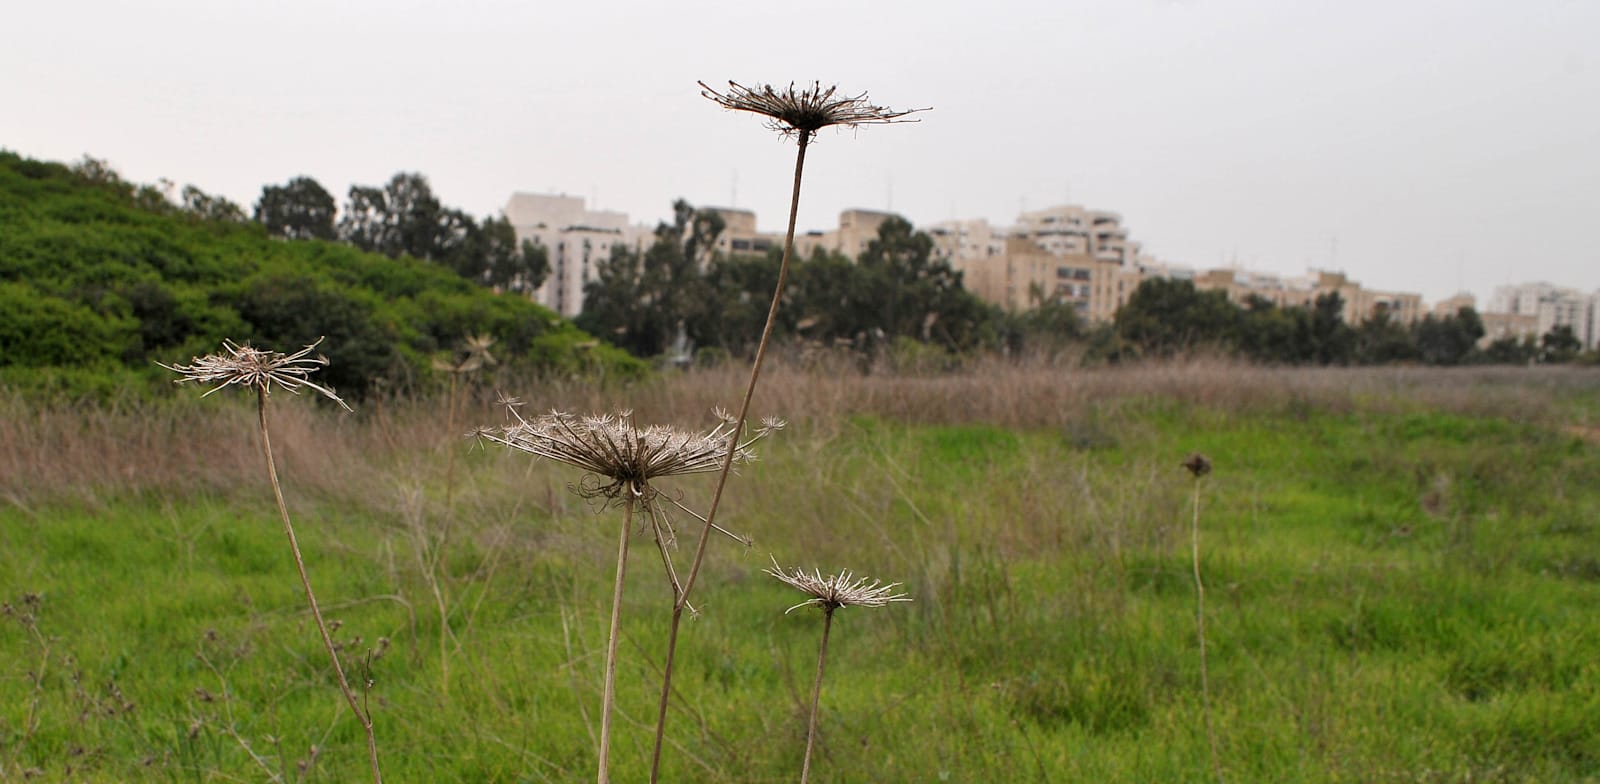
(804, 111)
(624, 458)
(838, 590)
(257, 369)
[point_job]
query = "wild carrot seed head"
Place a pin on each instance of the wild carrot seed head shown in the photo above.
(805, 111)
(837, 590)
(629, 458)
(257, 369)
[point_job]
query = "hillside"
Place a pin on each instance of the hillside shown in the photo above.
(99, 279)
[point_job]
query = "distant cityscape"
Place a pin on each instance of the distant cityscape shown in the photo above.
(1067, 254)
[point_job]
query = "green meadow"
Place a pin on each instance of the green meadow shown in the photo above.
(1401, 572)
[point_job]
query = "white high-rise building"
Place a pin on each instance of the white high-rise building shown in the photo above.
(577, 240)
(1551, 306)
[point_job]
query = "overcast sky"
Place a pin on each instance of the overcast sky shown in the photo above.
(1424, 147)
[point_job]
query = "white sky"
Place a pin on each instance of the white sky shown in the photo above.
(1418, 146)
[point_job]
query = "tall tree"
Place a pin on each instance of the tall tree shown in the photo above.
(1164, 316)
(1332, 341)
(1559, 345)
(206, 206)
(1448, 340)
(298, 210)
(646, 302)
(919, 296)
(403, 218)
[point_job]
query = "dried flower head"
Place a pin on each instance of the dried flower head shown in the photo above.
(473, 355)
(1198, 464)
(839, 590)
(257, 369)
(804, 111)
(613, 448)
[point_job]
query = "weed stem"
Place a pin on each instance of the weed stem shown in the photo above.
(305, 582)
(816, 695)
(609, 695)
(1200, 631)
(803, 137)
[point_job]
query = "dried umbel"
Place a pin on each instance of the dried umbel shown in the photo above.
(472, 356)
(256, 369)
(260, 370)
(807, 110)
(622, 461)
(828, 594)
(836, 590)
(1197, 464)
(623, 458)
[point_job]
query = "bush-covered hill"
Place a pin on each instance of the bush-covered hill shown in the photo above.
(99, 279)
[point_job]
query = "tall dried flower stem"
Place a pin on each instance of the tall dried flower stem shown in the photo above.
(305, 582)
(803, 138)
(816, 694)
(829, 594)
(1199, 466)
(608, 694)
(433, 571)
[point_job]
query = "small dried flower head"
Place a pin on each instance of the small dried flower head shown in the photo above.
(1198, 464)
(611, 447)
(470, 357)
(839, 590)
(256, 369)
(804, 111)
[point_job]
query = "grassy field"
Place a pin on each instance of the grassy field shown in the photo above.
(1402, 573)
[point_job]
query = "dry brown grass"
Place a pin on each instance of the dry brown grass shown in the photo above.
(181, 447)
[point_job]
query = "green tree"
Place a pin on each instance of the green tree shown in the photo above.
(1272, 334)
(916, 295)
(646, 302)
(1448, 340)
(1560, 345)
(733, 311)
(300, 209)
(403, 218)
(1381, 340)
(208, 207)
(1509, 350)
(831, 299)
(1164, 316)
(1331, 340)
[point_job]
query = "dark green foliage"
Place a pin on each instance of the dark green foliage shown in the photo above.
(1509, 350)
(204, 206)
(916, 295)
(299, 210)
(1559, 345)
(1164, 317)
(1448, 340)
(1382, 340)
(680, 288)
(94, 273)
(644, 302)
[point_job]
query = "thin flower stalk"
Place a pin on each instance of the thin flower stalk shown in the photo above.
(472, 356)
(621, 463)
(797, 113)
(830, 594)
(1199, 466)
(262, 370)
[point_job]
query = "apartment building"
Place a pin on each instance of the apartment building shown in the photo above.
(739, 235)
(857, 228)
(1546, 307)
(576, 238)
(1360, 304)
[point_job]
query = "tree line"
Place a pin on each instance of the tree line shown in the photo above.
(678, 296)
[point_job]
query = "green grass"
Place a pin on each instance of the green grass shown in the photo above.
(1397, 595)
